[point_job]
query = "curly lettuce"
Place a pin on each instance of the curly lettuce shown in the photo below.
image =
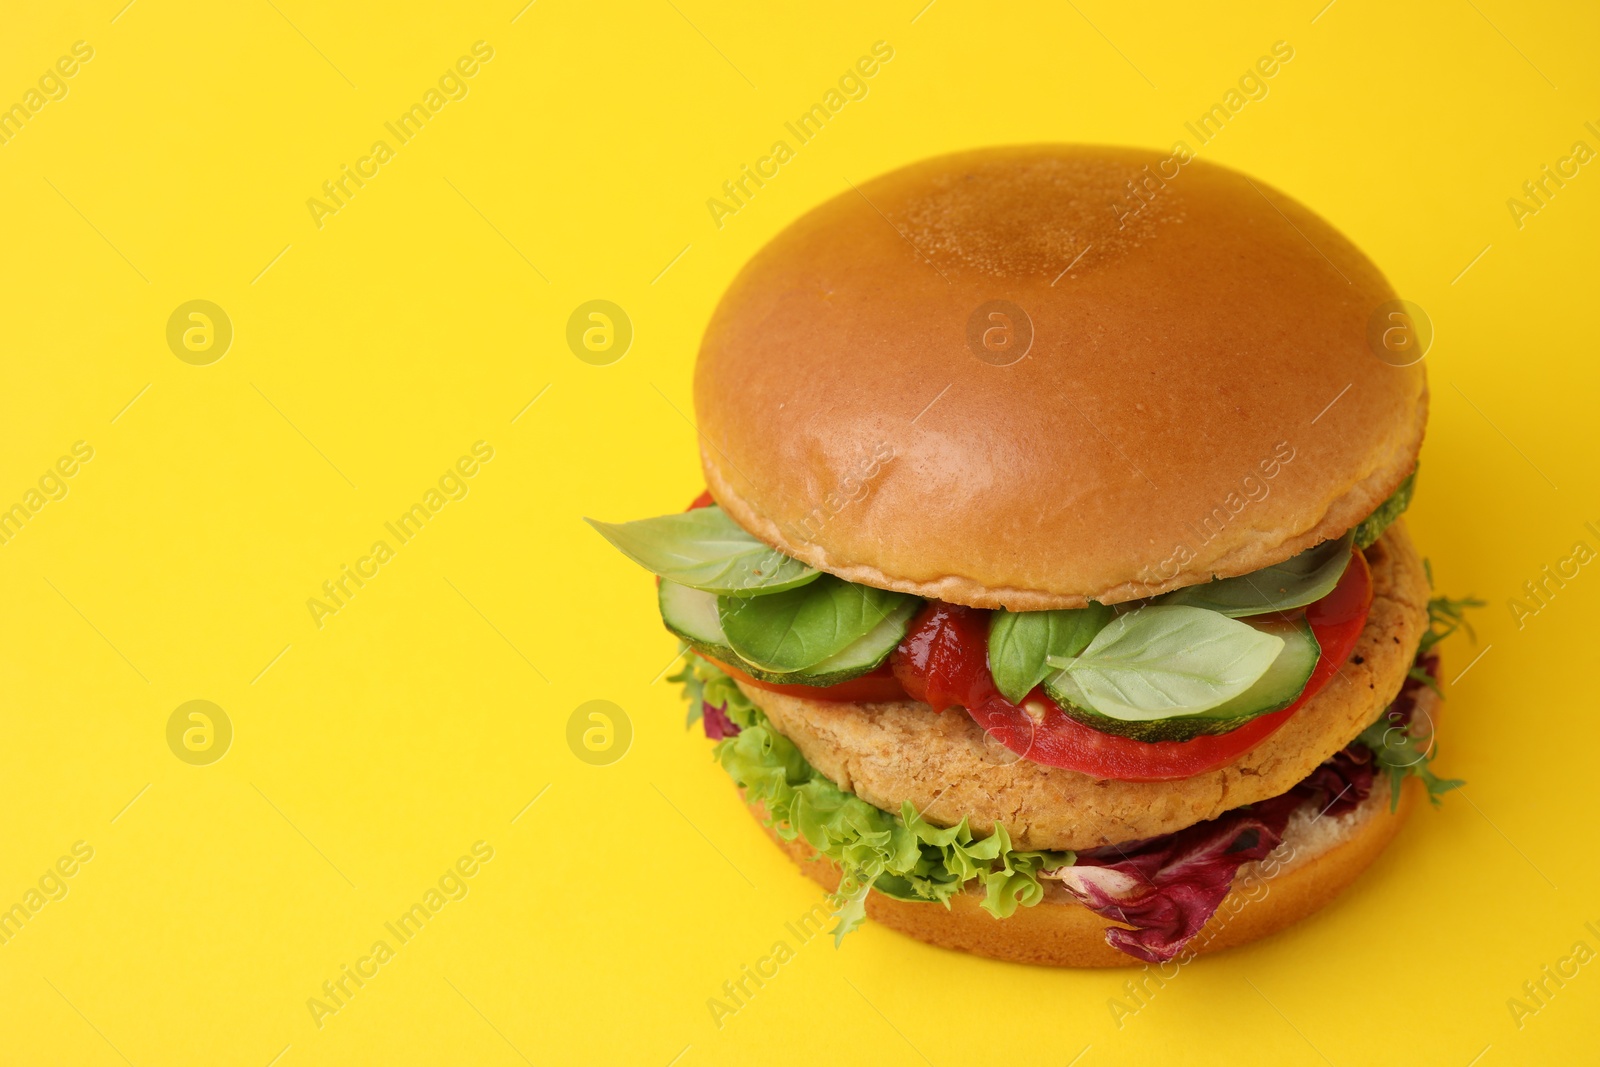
(1400, 746)
(905, 857)
(1402, 755)
(1446, 616)
(901, 856)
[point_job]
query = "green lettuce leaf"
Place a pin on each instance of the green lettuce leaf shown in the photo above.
(694, 691)
(902, 856)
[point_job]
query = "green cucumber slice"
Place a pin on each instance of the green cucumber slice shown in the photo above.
(1284, 680)
(691, 615)
(1279, 687)
(868, 651)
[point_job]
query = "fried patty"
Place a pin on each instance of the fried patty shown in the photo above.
(949, 769)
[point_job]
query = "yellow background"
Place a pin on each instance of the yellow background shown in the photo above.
(369, 754)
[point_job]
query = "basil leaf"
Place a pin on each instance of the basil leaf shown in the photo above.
(799, 628)
(1021, 641)
(1371, 528)
(1169, 660)
(704, 549)
(1294, 583)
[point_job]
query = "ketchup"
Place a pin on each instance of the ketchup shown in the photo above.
(943, 661)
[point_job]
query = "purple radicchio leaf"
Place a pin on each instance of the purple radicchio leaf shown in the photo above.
(1168, 887)
(717, 723)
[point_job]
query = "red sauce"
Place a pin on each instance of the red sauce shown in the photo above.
(944, 659)
(943, 662)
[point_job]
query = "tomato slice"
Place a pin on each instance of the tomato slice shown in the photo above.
(944, 662)
(1041, 732)
(875, 687)
(702, 501)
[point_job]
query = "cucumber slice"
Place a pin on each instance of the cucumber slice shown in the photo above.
(1279, 687)
(691, 614)
(867, 652)
(1284, 680)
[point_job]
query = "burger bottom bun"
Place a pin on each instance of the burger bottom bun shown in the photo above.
(1319, 858)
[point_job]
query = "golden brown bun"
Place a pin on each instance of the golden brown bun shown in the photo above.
(949, 769)
(1197, 342)
(1281, 890)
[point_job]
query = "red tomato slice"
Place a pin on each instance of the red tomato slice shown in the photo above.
(943, 662)
(1058, 741)
(875, 687)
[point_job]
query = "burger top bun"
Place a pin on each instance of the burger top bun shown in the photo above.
(1028, 377)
